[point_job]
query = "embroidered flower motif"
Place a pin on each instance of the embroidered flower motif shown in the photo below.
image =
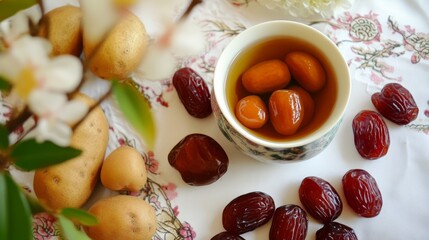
(44, 226)
(176, 211)
(415, 42)
(419, 43)
(187, 232)
(308, 9)
(152, 164)
(170, 190)
(363, 29)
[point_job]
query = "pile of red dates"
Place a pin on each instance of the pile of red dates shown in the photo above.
(201, 160)
(319, 199)
(371, 135)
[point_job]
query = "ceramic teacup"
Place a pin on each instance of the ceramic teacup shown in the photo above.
(269, 40)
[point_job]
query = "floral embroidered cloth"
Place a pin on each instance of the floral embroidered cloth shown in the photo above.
(381, 44)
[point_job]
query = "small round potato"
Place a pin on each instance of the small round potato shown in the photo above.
(124, 169)
(121, 52)
(122, 217)
(62, 26)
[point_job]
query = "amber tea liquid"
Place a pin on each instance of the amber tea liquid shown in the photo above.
(277, 48)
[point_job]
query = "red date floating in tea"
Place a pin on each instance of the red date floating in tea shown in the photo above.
(199, 159)
(396, 103)
(362, 193)
(247, 212)
(193, 92)
(371, 135)
(286, 111)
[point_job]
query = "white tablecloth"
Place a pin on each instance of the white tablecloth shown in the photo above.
(382, 41)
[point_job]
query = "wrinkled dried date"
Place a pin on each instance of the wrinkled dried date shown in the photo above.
(199, 159)
(289, 223)
(193, 92)
(335, 231)
(396, 103)
(247, 212)
(362, 193)
(371, 135)
(226, 236)
(320, 199)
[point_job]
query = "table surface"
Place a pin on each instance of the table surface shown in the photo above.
(382, 43)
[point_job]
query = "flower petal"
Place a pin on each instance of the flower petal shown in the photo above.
(72, 112)
(44, 103)
(157, 64)
(19, 24)
(95, 22)
(58, 132)
(31, 51)
(62, 73)
(9, 68)
(18, 27)
(180, 44)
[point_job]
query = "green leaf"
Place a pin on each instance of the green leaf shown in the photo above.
(3, 207)
(4, 85)
(10, 7)
(69, 230)
(15, 216)
(79, 215)
(136, 110)
(30, 155)
(4, 138)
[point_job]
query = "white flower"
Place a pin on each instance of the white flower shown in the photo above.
(158, 63)
(308, 9)
(160, 60)
(55, 115)
(28, 67)
(98, 16)
(18, 25)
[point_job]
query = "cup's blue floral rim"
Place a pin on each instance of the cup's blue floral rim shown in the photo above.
(283, 28)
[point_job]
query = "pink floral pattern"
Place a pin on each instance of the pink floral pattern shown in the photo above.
(45, 227)
(375, 42)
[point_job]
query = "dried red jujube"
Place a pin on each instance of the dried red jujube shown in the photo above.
(226, 236)
(247, 212)
(193, 92)
(396, 103)
(289, 223)
(336, 231)
(199, 159)
(320, 199)
(371, 135)
(362, 193)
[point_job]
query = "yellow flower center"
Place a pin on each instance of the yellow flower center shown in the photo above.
(25, 83)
